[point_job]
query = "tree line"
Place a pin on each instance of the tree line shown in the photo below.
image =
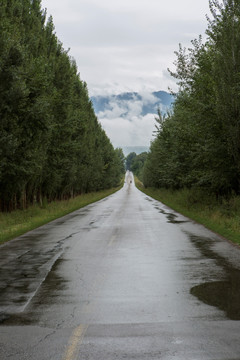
(51, 143)
(135, 163)
(198, 143)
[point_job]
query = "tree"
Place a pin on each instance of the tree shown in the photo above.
(129, 160)
(121, 160)
(138, 164)
(51, 143)
(198, 145)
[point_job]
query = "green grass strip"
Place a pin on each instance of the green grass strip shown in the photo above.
(221, 217)
(19, 222)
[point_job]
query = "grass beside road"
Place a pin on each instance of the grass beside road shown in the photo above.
(222, 217)
(19, 222)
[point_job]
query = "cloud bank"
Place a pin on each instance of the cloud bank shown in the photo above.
(129, 119)
(126, 45)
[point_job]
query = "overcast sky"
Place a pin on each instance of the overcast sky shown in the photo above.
(126, 45)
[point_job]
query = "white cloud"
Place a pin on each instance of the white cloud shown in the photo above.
(123, 132)
(121, 108)
(127, 46)
(147, 97)
(114, 110)
(124, 123)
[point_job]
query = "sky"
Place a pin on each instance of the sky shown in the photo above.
(127, 46)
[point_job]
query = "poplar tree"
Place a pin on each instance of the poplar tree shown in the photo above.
(51, 143)
(198, 144)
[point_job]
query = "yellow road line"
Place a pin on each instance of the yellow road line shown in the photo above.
(75, 342)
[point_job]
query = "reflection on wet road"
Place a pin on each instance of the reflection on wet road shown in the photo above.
(224, 294)
(125, 278)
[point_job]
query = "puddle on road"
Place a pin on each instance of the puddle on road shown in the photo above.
(225, 294)
(172, 218)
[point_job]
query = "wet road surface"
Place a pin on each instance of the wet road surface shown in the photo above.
(125, 278)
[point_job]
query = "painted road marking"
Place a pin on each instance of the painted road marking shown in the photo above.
(75, 342)
(78, 334)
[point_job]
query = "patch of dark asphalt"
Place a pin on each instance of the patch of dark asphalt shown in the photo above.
(48, 294)
(172, 218)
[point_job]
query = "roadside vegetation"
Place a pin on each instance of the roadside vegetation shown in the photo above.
(19, 222)
(135, 163)
(193, 164)
(51, 143)
(197, 145)
(222, 217)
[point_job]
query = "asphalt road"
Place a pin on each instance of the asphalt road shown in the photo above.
(125, 278)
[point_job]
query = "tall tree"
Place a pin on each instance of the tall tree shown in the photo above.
(199, 143)
(51, 143)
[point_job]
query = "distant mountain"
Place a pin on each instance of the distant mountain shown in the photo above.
(150, 102)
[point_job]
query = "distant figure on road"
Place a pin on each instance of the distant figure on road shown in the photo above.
(129, 177)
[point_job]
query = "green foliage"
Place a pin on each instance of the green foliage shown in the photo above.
(198, 144)
(138, 164)
(129, 160)
(135, 163)
(51, 143)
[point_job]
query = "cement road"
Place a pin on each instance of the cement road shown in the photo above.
(125, 278)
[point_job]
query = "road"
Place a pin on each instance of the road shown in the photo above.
(124, 278)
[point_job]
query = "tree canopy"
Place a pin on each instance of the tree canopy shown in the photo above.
(135, 163)
(198, 143)
(51, 143)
